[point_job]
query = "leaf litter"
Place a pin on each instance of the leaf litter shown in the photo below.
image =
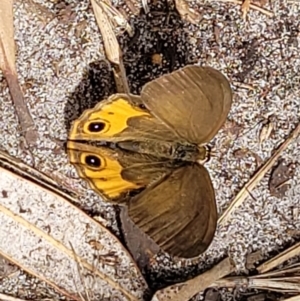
(268, 164)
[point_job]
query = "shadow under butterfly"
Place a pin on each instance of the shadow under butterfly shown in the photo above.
(154, 145)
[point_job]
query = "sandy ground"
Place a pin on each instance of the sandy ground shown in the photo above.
(62, 71)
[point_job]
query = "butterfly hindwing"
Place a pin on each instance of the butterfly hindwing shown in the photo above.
(179, 212)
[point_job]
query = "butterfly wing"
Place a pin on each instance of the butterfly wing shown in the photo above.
(179, 212)
(119, 118)
(112, 172)
(193, 101)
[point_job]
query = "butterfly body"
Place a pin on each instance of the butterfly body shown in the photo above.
(163, 149)
(158, 140)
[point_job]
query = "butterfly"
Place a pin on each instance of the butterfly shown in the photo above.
(147, 152)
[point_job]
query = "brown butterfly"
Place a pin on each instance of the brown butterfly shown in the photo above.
(153, 144)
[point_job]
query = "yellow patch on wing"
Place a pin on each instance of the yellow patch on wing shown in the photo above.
(106, 178)
(115, 116)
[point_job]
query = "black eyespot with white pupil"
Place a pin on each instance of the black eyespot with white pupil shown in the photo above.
(92, 161)
(96, 127)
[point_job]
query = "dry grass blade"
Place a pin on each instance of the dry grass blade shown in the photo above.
(252, 6)
(145, 6)
(117, 18)
(8, 66)
(285, 280)
(244, 192)
(187, 13)
(287, 285)
(120, 78)
(9, 298)
(111, 45)
(186, 290)
(280, 258)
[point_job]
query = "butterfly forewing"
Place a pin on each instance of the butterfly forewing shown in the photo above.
(120, 118)
(193, 101)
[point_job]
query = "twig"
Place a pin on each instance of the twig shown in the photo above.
(191, 287)
(245, 191)
(243, 85)
(253, 6)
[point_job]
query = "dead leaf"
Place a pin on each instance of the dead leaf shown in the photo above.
(241, 153)
(134, 6)
(232, 128)
(212, 295)
(187, 13)
(157, 59)
(253, 258)
(266, 131)
(244, 152)
(279, 179)
(245, 8)
(48, 237)
(42, 13)
(8, 66)
(217, 32)
(260, 3)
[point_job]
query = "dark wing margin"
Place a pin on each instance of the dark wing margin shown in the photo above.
(179, 212)
(193, 101)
